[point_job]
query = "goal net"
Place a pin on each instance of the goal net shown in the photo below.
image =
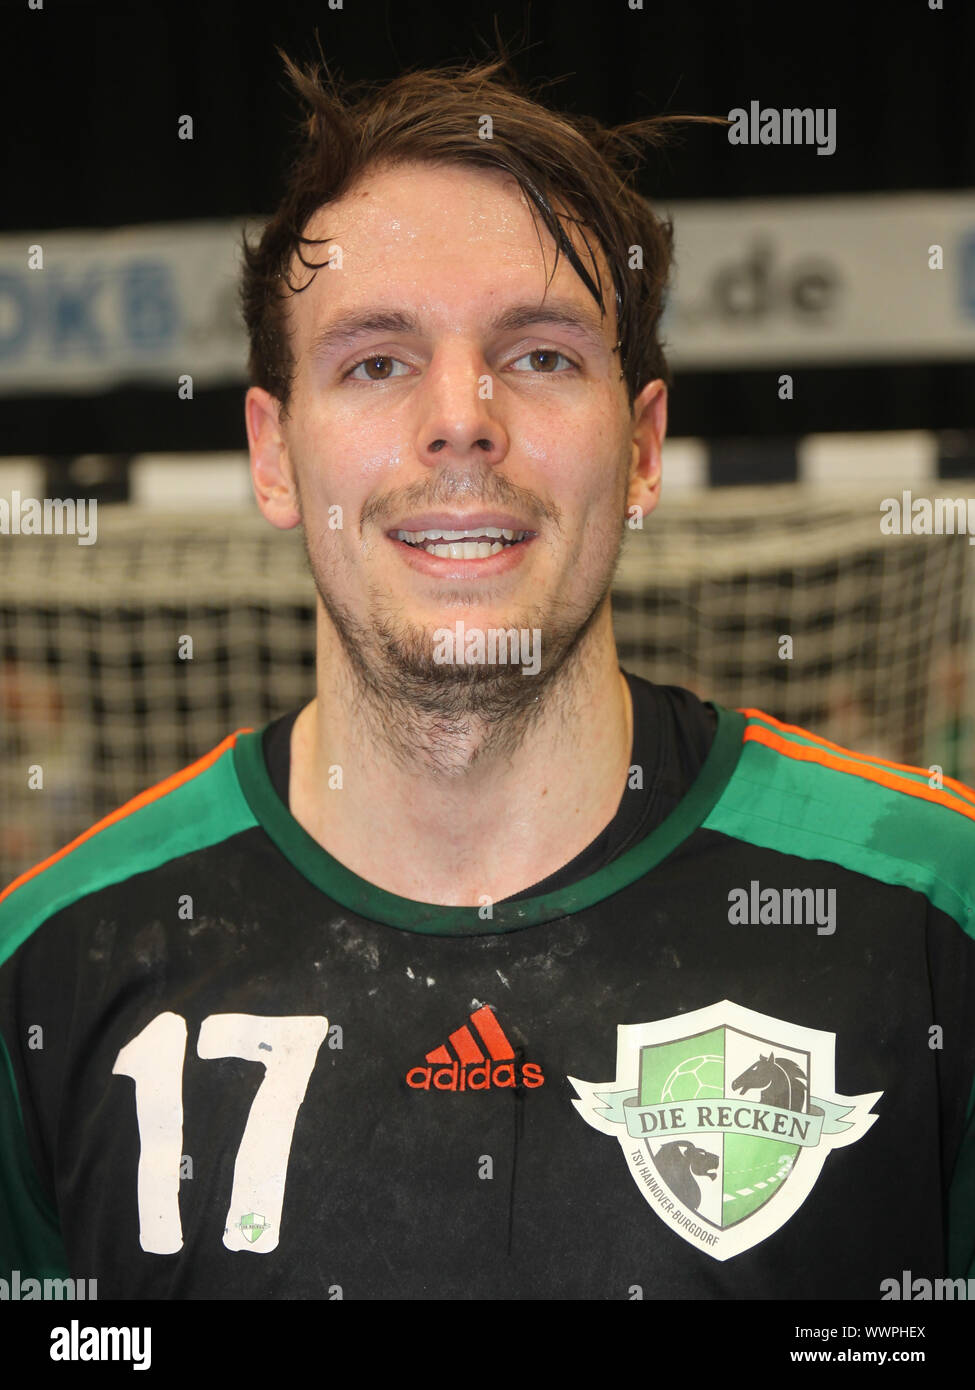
(780, 598)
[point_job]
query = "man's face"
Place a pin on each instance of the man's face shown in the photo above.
(435, 391)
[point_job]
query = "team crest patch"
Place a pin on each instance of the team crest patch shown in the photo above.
(725, 1118)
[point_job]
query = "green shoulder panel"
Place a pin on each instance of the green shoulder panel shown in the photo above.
(794, 793)
(199, 807)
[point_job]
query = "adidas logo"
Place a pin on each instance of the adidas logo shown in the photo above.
(470, 1069)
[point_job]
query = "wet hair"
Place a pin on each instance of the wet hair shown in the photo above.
(573, 170)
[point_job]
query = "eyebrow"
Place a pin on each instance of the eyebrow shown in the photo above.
(350, 326)
(347, 327)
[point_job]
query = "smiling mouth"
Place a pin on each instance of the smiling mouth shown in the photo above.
(477, 543)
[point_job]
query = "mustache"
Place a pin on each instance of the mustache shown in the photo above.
(474, 489)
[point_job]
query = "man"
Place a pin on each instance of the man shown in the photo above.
(357, 1005)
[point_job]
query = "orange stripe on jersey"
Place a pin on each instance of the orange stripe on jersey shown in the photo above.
(143, 799)
(958, 788)
(758, 734)
(493, 1034)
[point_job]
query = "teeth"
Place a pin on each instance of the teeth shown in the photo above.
(437, 534)
(465, 550)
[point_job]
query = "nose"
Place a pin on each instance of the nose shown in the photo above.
(458, 419)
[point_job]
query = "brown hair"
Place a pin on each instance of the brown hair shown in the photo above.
(571, 169)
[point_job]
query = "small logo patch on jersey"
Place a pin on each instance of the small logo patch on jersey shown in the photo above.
(725, 1118)
(471, 1066)
(252, 1226)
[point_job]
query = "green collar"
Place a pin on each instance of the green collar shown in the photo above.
(366, 900)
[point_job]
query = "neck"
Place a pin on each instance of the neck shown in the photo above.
(469, 797)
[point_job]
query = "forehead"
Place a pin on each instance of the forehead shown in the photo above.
(453, 241)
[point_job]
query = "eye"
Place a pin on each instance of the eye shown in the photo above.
(543, 361)
(383, 365)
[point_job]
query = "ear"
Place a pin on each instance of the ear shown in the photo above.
(272, 474)
(646, 455)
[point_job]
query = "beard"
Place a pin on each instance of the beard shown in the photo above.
(450, 715)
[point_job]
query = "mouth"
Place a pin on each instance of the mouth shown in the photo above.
(472, 543)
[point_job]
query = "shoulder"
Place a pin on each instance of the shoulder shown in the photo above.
(794, 791)
(198, 806)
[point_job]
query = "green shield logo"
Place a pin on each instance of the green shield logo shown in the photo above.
(252, 1226)
(725, 1117)
(720, 1169)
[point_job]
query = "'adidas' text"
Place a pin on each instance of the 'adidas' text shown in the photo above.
(454, 1077)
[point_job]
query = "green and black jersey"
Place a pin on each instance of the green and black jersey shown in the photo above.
(736, 1061)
